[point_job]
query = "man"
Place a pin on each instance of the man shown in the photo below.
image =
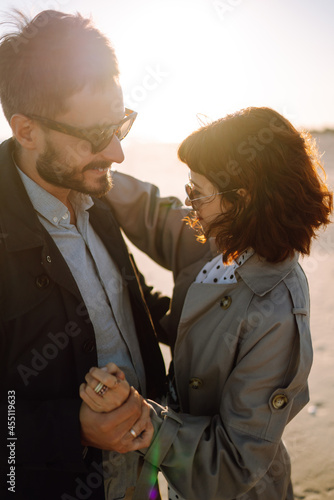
(70, 297)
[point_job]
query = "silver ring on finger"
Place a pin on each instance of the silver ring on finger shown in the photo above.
(133, 432)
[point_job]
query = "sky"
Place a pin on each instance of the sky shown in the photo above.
(184, 58)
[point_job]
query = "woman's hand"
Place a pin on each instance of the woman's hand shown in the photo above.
(117, 392)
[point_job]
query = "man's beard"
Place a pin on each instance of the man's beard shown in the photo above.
(57, 172)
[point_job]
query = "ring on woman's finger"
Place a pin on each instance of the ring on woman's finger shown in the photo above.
(133, 432)
(101, 389)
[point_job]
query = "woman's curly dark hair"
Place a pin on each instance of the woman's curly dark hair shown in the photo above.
(259, 150)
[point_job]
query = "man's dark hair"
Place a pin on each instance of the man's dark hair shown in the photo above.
(48, 59)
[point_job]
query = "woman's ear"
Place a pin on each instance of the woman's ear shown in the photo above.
(245, 194)
(24, 131)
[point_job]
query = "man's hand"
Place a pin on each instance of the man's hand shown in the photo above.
(114, 379)
(111, 431)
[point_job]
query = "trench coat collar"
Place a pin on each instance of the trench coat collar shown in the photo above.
(16, 206)
(262, 276)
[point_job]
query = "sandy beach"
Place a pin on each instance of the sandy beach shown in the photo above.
(310, 436)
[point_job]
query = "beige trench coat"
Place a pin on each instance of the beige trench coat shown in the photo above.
(242, 357)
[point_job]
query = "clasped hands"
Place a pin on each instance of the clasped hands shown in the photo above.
(106, 421)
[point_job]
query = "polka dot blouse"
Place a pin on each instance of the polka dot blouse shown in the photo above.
(216, 272)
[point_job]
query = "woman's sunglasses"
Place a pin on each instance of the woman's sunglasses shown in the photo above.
(192, 193)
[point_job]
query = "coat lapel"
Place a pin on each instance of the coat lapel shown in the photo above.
(20, 224)
(201, 298)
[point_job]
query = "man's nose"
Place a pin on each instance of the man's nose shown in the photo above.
(113, 152)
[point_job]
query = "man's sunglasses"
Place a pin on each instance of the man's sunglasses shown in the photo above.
(99, 138)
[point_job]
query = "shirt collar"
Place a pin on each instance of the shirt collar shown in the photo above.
(48, 206)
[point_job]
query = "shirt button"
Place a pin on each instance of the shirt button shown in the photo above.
(279, 401)
(55, 219)
(65, 216)
(89, 346)
(195, 383)
(226, 302)
(48, 258)
(42, 281)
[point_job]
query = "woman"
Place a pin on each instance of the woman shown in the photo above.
(243, 350)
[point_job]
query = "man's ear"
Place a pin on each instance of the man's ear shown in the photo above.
(24, 130)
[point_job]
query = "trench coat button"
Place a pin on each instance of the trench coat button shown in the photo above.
(279, 401)
(89, 346)
(195, 383)
(42, 281)
(226, 302)
(48, 258)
